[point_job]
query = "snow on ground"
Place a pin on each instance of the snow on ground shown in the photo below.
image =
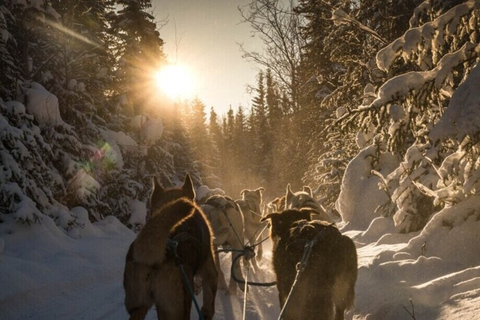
(47, 274)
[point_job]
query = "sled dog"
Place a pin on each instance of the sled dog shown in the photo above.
(305, 199)
(227, 223)
(152, 275)
(276, 205)
(252, 213)
(326, 287)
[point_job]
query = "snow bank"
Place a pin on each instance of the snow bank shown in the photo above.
(44, 271)
(450, 234)
(434, 270)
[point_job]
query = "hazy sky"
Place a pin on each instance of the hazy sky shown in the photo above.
(207, 33)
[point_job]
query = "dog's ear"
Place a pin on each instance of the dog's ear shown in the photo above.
(259, 192)
(308, 190)
(187, 188)
(157, 187)
(243, 192)
(288, 196)
(274, 220)
(278, 224)
(273, 204)
(269, 216)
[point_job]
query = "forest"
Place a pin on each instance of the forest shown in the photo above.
(336, 77)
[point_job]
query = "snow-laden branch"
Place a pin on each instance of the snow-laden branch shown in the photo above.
(462, 117)
(401, 85)
(430, 35)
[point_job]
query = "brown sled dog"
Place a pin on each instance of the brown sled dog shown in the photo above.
(327, 285)
(151, 274)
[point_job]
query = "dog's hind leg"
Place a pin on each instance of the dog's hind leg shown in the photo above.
(339, 313)
(138, 298)
(172, 299)
(324, 308)
(209, 275)
(238, 273)
(222, 284)
(139, 313)
(259, 255)
(346, 278)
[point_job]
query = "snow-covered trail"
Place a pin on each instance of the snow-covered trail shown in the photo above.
(261, 303)
(45, 274)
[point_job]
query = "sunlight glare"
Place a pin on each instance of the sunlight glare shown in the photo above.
(176, 81)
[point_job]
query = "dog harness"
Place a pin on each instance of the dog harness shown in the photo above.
(185, 237)
(307, 250)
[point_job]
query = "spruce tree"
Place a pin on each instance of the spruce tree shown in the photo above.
(138, 50)
(10, 71)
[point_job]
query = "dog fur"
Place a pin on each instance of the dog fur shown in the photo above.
(250, 205)
(227, 223)
(305, 199)
(276, 205)
(326, 288)
(151, 274)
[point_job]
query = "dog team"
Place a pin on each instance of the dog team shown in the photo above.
(175, 255)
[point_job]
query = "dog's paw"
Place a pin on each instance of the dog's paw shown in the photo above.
(206, 313)
(197, 284)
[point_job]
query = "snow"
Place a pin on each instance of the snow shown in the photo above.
(358, 208)
(138, 211)
(114, 141)
(424, 35)
(462, 116)
(150, 130)
(48, 273)
(42, 104)
(82, 186)
(15, 107)
(204, 192)
(399, 86)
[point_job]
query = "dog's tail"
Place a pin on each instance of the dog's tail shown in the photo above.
(150, 245)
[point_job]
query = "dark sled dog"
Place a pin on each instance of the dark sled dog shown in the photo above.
(326, 287)
(152, 275)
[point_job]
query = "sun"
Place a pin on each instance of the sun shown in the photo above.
(176, 81)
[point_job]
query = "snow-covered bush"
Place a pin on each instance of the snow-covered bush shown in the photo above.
(41, 103)
(46, 170)
(409, 206)
(360, 195)
(25, 178)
